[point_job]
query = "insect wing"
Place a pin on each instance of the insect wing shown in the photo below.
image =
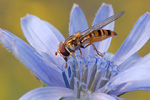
(102, 24)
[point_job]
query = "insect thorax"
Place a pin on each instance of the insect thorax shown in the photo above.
(72, 44)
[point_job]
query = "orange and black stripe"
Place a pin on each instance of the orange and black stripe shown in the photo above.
(107, 32)
(98, 33)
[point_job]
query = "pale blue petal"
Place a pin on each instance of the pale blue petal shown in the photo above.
(52, 58)
(101, 96)
(108, 56)
(143, 60)
(134, 61)
(132, 86)
(78, 23)
(39, 34)
(48, 93)
(135, 40)
(104, 12)
(70, 98)
(121, 99)
(28, 56)
(43, 37)
(55, 31)
(135, 78)
(128, 63)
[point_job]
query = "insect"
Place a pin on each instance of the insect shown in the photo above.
(86, 38)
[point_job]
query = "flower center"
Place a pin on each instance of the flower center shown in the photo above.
(88, 75)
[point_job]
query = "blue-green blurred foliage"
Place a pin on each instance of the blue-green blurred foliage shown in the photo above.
(16, 79)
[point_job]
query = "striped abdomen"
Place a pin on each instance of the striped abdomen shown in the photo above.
(97, 35)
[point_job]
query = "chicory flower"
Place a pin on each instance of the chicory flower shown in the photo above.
(90, 78)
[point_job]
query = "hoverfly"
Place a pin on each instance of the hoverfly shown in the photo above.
(87, 37)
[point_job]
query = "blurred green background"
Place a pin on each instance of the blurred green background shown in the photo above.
(16, 79)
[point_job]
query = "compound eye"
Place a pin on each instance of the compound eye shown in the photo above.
(63, 50)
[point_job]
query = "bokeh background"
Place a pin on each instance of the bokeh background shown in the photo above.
(16, 79)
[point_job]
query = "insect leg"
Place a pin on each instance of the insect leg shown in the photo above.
(66, 65)
(99, 53)
(84, 48)
(80, 53)
(81, 64)
(86, 45)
